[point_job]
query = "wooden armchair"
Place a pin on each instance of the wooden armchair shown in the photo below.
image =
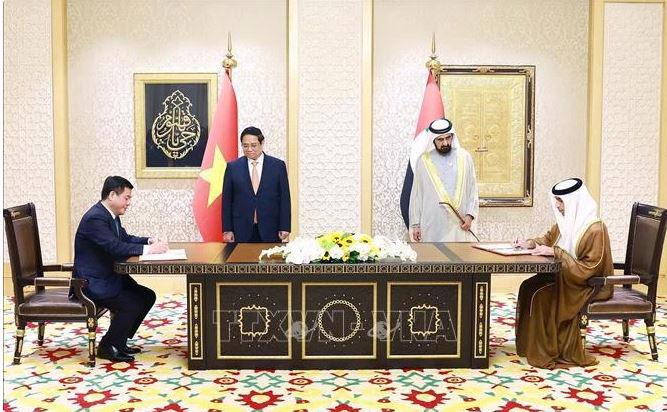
(54, 299)
(642, 263)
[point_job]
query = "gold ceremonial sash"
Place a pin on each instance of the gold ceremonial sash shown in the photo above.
(439, 186)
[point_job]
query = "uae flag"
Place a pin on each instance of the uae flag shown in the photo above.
(432, 109)
(220, 149)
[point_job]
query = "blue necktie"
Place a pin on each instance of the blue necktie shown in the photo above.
(115, 221)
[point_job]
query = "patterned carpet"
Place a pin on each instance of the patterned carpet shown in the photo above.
(54, 376)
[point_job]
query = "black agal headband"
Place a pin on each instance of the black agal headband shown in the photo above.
(440, 126)
(575, 184)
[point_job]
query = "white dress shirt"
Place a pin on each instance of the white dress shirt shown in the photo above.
(113, 216)
(260, 163)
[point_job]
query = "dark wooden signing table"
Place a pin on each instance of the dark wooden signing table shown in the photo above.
(432, 313)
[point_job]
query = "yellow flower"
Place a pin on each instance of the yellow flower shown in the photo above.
(363, 238)
(348, 240)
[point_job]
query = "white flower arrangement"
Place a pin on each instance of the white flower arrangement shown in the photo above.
(395, 249)
(341, 247)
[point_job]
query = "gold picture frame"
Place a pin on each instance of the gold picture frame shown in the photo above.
(172, 116)
(493, 111)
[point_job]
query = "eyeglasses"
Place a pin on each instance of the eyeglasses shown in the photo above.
(248, 146)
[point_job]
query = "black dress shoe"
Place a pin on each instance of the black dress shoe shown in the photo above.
(131, 350)
(113, 354)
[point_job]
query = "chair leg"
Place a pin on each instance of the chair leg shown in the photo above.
(583, 325)
(626, 330)
(650, 330)
(40, 333)
(92, 327)
(20, 333)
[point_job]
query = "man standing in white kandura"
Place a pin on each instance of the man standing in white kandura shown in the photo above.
(444, 186)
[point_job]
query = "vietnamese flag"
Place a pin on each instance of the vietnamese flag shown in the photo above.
(432, 109)
(220, 149)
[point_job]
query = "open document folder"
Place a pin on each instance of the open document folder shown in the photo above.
(506, 249)
(171, 254)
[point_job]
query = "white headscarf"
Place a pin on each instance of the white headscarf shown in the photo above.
(580, 212)
(424, 141)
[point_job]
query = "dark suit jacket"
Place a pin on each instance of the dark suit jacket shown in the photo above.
(97, 246)
(272, 200)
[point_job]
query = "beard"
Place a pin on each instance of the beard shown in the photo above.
(444, 149)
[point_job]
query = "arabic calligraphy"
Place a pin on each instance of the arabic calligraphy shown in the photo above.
(176, 131)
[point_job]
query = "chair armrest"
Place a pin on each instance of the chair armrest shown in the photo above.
(58, 267)
(77, 288)
(77, 284)
(614, 280)
(598, 282)
(619, 265)
(41, 282)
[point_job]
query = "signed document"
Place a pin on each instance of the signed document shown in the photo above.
(171, 254)
(506, 249)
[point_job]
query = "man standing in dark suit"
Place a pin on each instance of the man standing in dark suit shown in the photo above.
(255, 194)
(100, 240)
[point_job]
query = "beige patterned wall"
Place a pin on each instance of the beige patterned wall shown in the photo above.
(550, 34)
(330, 58)
(630, 114)
(109, 41)
(28, 115)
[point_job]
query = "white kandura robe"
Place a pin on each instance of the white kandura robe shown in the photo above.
(437, 222)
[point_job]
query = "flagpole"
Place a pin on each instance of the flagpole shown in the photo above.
(433, 64)
(229, 63)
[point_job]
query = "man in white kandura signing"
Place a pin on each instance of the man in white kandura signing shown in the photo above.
(444, 199)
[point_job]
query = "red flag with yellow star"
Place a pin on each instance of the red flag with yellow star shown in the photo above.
(220, 149)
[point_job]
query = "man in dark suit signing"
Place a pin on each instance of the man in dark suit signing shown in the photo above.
(100, 240)
(255, 194)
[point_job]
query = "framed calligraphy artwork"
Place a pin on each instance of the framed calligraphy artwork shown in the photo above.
(493, 111)
(172, 114)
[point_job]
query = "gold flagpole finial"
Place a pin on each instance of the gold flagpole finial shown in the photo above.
(433, 64)
(229, 63)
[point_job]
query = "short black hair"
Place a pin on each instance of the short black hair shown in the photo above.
(253, 131)
(116, 184)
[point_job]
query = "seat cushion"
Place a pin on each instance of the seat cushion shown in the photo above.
(52, 302)
(623, 301)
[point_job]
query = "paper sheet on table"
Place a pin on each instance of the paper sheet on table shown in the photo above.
(506, 249)
(171, 254)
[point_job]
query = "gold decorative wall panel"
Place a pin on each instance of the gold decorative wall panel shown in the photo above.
(493, 110)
